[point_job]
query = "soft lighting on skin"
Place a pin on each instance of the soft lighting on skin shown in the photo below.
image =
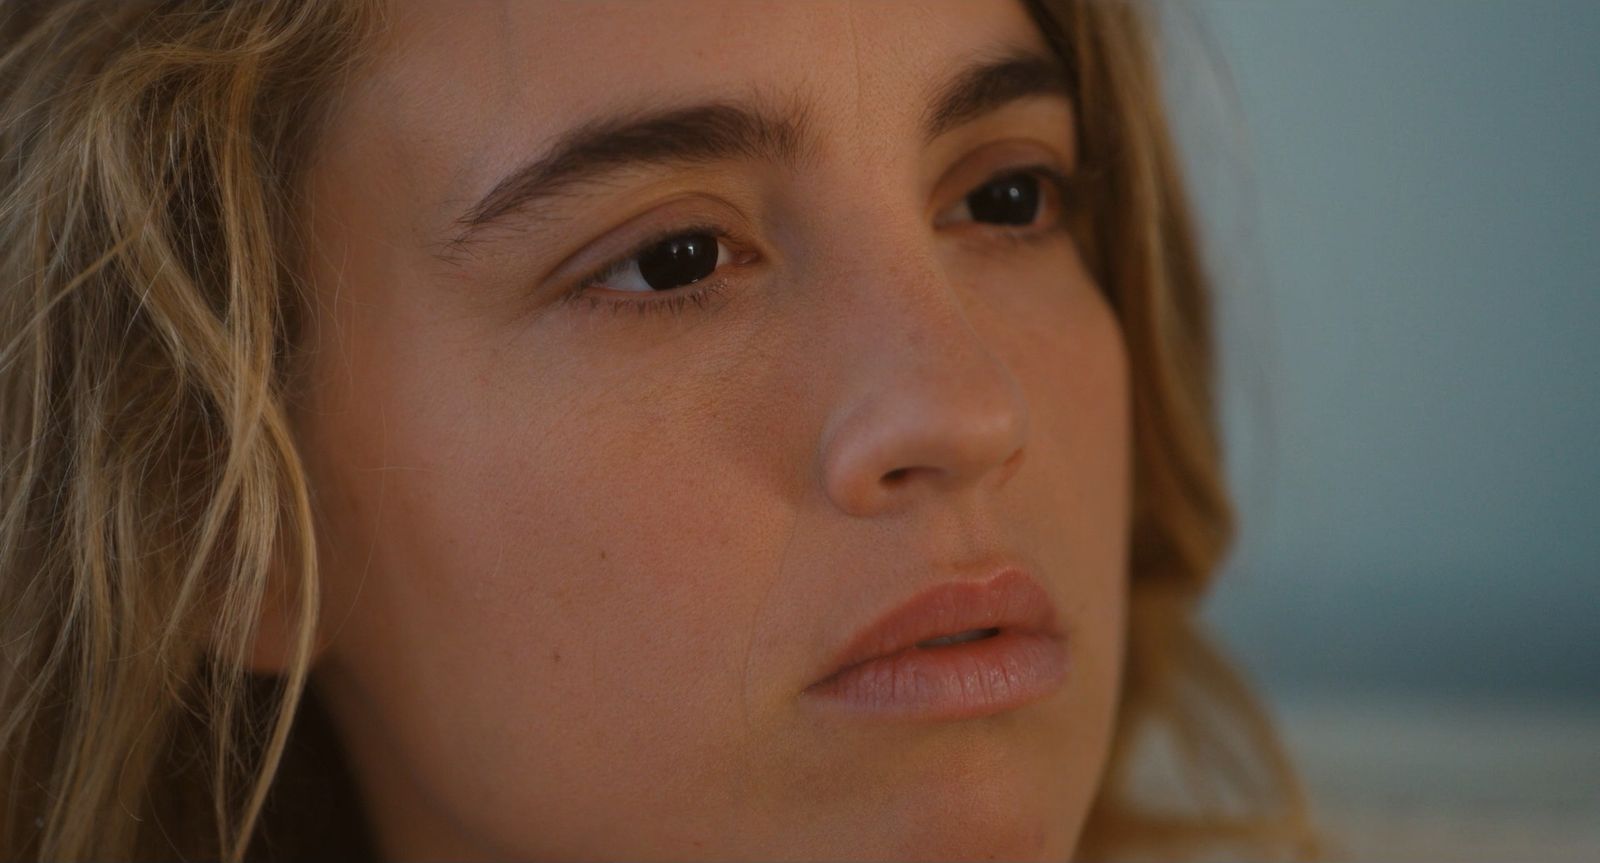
(583, 565)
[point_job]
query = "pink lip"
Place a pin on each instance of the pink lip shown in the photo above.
(884, 672)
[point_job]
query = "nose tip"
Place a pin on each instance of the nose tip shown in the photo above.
(956, 423)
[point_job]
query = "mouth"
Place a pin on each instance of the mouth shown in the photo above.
(960, 637)
(956, 651)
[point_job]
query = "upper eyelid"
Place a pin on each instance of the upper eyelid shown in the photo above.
(1002, 156)
(638, 248)
(1036, 163)
(669, 218)
(1046, 171)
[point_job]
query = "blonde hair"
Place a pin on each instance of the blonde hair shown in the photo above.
(152, 494)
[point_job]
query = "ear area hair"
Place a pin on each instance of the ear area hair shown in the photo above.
(272, 646)
(286, 629)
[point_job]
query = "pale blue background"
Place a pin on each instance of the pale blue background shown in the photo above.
(1404, 202)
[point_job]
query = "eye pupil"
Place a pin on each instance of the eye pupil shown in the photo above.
(1007, 201)
(678, 261)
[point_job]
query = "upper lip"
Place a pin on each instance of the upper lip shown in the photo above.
(1009, 600)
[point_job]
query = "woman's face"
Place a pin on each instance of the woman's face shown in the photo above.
(622, 434)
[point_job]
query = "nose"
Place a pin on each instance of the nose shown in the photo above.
(933, 409)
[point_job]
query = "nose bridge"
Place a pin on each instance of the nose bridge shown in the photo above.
(925, 403)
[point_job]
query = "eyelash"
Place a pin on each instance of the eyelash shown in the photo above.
(675, 301)
(701, 293)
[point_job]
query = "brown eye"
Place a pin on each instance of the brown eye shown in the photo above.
(658, 272)
(1009, 200)
(678, 261)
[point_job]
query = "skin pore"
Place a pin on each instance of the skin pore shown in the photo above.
(581, 560)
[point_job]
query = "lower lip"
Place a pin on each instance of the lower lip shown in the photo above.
(955, 681)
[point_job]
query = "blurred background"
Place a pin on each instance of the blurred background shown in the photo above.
(1402, 203)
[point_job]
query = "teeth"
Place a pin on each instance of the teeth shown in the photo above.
(958, 638)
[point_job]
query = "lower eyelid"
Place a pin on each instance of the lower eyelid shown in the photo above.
(593, 294)
(702, 294)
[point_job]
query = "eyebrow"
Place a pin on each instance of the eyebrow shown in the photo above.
(988, 86)
(712, 132)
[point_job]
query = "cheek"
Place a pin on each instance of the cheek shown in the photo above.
(1062, 340)
(566, 595)
(1071, 359)
(556, 594)
(1087, 412)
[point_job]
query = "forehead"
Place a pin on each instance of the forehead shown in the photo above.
(462, 90)
(544, 52)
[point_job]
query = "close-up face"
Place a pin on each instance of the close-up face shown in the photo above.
(662, 361)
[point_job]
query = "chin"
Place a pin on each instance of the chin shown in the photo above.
(977, 820)
(1015, 840)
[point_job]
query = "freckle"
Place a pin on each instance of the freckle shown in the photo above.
(555, 655)
(602, 554)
